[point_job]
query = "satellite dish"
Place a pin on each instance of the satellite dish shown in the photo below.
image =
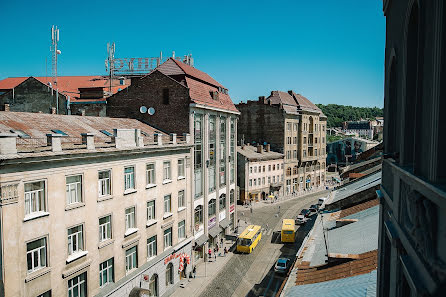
(58, 52)
(143, 109)
(151, 111)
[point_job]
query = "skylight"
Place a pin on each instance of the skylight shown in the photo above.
(20, 133)
(57, 131)
(106, 133)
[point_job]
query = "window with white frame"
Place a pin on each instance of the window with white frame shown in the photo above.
(129, 178)
(75, 239)
(151, 210)
(131, 259)
(250, 182)
(181, 171)
(222, 201)
(77, 286)
(130, 218)
(36, 256)
(151, 247)
(105, 228)
(250, 169)
(169, 274)
(74, 189)
(182, 230)
(211, 208)
(269, 179)
(106, 272)
(150, 174)
(104, 181)
(181, 199)
(166, 171)
(167, 204)
(168, 238)
(35, 197)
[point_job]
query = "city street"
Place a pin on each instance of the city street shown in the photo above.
(253, 274)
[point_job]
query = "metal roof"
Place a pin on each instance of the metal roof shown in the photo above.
(363, 285)
(356, 187)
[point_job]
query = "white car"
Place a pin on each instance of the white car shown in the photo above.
(300, 220)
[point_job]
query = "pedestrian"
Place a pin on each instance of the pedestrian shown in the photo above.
(194, 271)
(216, 248)
(210, 254)
(225, 251)
(279, 208)
(267, 226)
(221, 242)
(215, 257)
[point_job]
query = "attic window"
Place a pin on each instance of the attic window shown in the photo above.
(214, 95)
(106, 133)
(166, 96)
(59, 132)
(20, 133)
(144, 133)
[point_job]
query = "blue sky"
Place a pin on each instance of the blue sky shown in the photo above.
(329, 51)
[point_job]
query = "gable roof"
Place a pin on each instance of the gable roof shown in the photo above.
(293, 101)
(11, 82)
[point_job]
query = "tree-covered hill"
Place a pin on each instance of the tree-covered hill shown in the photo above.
(336, 114)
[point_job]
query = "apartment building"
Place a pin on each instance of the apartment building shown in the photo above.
(92, 206)
(412, 237)
(179, 98)
(294, 126)
(259, 172)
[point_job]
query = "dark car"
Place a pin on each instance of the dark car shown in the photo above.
(282, 265)
(314, 208)
(305, 212)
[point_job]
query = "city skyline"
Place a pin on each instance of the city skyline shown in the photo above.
(230, 40)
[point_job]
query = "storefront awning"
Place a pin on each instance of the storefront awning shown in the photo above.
(201, 240)
(214, 231)
(224, 223)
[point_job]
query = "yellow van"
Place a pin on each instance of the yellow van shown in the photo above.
(249, 239)
(288, 231)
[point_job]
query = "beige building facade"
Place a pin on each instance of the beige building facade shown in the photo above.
(92, 215)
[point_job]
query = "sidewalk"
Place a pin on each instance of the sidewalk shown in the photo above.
(206, 273)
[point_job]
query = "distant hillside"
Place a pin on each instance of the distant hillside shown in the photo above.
(336, 114)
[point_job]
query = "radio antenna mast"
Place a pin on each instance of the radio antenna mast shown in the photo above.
(54, 53)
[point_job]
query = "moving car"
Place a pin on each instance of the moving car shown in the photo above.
(313, 208)
(300, 220)
(282, 265)
(305, 212)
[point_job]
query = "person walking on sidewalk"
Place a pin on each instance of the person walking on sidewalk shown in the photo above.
(210, 254)
(194, 271)
(225, 251)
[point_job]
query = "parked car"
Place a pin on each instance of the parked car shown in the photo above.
(300, 220)
(313, 208)
(305, 212)
(321, 201)
(282, 265)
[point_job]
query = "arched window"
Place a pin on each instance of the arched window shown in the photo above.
(153, 286)
(211, 207)
(169, 274)
(198, 215)
(311, 125)
(318, 167)
(295, 169)
(231, 197)
(222, 203)
(288, 171)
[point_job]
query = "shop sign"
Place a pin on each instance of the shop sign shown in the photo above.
(175, 256)
(212, 222)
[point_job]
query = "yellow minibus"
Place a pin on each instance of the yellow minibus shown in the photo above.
(288, 231)
(249, 239)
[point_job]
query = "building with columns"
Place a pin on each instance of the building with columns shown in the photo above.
(293, 126)
(182, 99)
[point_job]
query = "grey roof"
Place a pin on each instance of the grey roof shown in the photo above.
(356, 187)
(363, 285)
(214, 231)
(292, 103)
(250, 152)
(201, 240)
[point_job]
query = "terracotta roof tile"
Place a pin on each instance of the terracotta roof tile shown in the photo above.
(194, 72)
(358, 208)
(11, 82)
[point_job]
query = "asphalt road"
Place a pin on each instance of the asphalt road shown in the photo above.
(253, 274)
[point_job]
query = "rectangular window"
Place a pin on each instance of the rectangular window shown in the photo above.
(181, 172)
(269, 179)
(167, 238)
(74, 189)
(104, 186)
(151, 210)
(106, 272)
(129, 178)
(77, 286)
(255, 182)
(166, 172)
(250, 182)
(165, 96)
(105, 228)
(269, 167)
(75, 240)
(35, 197)
(222, 151)
(150, 174)
(151, 247)
(258, 181)
(255, 169)
(295, 154)
(250, 169)
(130, 218)
(274, 179)
(181, 230)
(131, 259)
(36, 254)
(167, 204)
(198, 155)
(181, 199)
(212, 151)
(212, 208)
(232, 152)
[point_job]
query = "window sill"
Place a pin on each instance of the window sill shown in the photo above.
(105, 243)
(181, 208)
(38, 273)
(149, 186)
(167, 181)
(151, 222)
(130, 231)
(167, 248)
(151, 258)
(76, 256)
(74, 206)
(104, 198)
(36, 215)
(129, 191)
(167, 215)
(181, 177)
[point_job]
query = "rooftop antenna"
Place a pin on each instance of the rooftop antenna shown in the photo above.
(109, 63)
(55, 52)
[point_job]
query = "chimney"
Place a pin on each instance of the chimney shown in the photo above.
(159, 138)
(263, 100)
(126, 138)
(8, 143)
(173, 138)
(267, 147)
(88, 139)
(53, 110)
(6, 107)
(259, 148)
(82, 112)
(54, 141)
